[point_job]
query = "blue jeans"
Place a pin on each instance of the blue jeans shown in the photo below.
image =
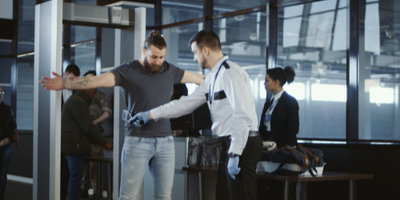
(140, 153)
(5, 155)
(75, 165)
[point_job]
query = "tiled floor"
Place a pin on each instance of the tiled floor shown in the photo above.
(18, 191)
(23, 191)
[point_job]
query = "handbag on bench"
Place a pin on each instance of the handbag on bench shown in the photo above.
(294, 160)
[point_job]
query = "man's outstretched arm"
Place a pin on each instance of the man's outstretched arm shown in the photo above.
(190, 77)
(58, 83)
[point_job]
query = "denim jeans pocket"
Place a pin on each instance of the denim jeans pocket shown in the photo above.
(170, 138)
(132, 139)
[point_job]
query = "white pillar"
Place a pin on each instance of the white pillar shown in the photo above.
(47, 105)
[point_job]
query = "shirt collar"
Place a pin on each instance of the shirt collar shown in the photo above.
(219, 63)
(277, 96)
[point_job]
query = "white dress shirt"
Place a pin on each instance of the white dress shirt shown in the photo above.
(232, 106)
(66, 94)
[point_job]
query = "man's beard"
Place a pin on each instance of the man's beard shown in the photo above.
(203, 63)
(152, 69)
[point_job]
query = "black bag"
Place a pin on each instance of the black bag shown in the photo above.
(306, 159)
(204, 151)
(195, 149)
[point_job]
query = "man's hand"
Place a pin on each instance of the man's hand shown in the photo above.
(109, 146)
(269, 145)
(140, 119)
(4, 142)
(56, 83)
(233, 166)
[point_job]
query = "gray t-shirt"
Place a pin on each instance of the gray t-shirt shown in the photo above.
(144, 91)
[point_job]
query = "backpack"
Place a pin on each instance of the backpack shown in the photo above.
(303, 159)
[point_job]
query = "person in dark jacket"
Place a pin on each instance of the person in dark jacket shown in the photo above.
(280, 116)
(7, 130)
(77, 132)
(279, 121)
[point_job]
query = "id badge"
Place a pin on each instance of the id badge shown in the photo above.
(267, 122)
(267, 118)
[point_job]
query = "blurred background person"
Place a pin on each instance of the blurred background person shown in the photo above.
(99, 110)
(77, 132)
(71, 72)
(7, 130)
(279, 121)
(280, 116)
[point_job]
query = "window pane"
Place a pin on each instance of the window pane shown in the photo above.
(243, 40)
(178, 49)
(181, 10)
(223, 6)
(83, 55)
(323, 6)
(6, 10)
(313, 43)
(82, 33)
(5, 70)
(293, 11)
(379, 45)
(5, 47)
(26, 26)
(25, 93)
(149, 11)
(26, 30)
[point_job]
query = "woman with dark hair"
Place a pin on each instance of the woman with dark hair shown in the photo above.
(280, 116)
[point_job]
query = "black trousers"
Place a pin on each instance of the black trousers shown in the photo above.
(244, 186)
(64, 177)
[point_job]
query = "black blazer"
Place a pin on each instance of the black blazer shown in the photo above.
(284, 121)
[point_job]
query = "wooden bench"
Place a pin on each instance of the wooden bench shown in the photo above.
(301, 181)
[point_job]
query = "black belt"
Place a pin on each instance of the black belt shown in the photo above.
(251, 134)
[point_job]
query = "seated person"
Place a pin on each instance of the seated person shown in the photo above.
(280, 116)
(279, 123)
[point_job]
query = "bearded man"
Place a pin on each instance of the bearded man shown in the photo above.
(146, 84)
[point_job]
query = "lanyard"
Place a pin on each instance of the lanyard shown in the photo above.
(211, 93)
(272, 106)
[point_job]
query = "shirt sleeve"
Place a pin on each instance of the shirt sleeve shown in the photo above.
(183, 106)
(240, 97)
(119, 73)
(177, 73)
(104, 104)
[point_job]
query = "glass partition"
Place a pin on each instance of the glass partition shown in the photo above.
(181, 10)
(178, 50)
(224, 6)
(312, 39)
(83, 55)
(243, 39)
(379, 72)
(26, 26)
(25, 92)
